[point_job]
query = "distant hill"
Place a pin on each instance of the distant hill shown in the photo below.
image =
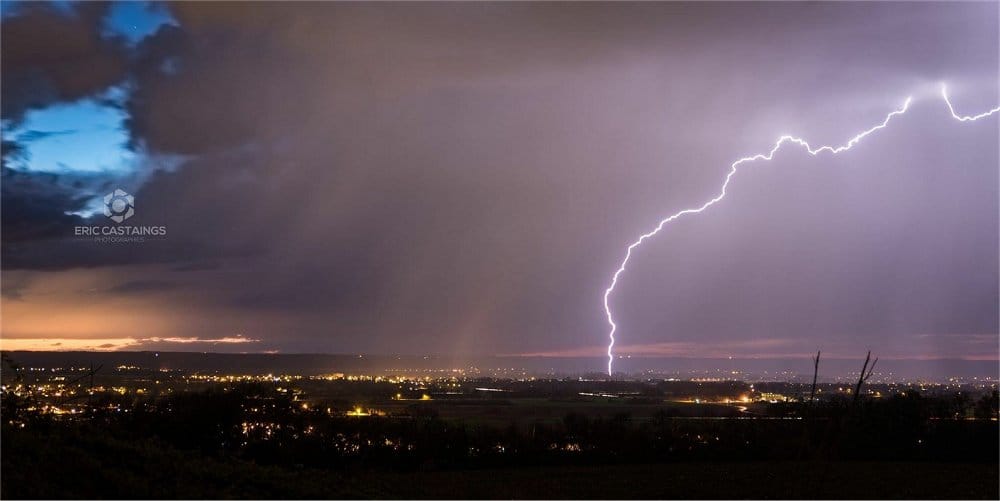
(790, 369)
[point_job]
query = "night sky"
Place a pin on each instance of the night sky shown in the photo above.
(463, 178)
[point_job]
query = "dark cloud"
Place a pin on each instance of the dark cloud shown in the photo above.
(465, 177)
(50, 55)
(11, 152)
(35, 207)
(163, 99)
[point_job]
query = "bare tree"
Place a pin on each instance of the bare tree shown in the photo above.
(812, 393)
(866, 374)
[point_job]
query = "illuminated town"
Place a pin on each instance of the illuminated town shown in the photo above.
(77, 392)
(401, 418)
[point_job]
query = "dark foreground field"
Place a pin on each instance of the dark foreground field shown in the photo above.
(36, 466)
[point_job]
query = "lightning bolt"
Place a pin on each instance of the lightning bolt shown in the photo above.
(767, 157)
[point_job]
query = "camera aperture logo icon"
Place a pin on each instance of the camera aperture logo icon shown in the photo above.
(119, 205)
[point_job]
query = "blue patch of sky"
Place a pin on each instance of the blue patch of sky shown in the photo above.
(86, 143)
(129, 19)
(136, 20)
(87, 135)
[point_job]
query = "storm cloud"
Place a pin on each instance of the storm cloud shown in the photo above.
(463, 178)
